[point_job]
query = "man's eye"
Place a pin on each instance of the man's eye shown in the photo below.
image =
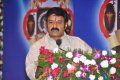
(59, 22)
(50, 22)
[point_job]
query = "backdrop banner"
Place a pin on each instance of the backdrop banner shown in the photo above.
(24, 23)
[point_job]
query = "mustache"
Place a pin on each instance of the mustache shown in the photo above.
(55, 29)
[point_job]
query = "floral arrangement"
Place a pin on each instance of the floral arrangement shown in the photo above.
(78, 65)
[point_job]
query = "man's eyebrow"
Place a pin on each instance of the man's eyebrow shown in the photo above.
(50, 20)
(53, 20)
(59, 20)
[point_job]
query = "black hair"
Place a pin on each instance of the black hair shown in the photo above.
(110, 8)
(58, 12)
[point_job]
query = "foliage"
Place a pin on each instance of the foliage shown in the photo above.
(78, 65)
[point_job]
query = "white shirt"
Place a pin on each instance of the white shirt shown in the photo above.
(68, 43)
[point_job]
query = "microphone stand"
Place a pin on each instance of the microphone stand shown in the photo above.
(62, 49)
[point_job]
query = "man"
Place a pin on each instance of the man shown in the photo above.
(56, 25)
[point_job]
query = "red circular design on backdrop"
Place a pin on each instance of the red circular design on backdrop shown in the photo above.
(101, 19)
(25, 21)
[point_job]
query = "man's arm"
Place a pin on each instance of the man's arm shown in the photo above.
(82, 45)
(31, 63)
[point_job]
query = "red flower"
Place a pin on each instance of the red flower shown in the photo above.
(62, 59)
(55, 72)
(117, 65)
(50, 54)
(118, 59)
(65, 74)
(93, 68)
(41, 49)
(50, 59)
(46, 51)
(79, 63)
(42, 0)
(112, 76)
(47, 71)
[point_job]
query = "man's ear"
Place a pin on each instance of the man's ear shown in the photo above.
(65, 25)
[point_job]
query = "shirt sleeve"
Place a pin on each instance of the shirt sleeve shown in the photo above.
(83, 45)
(31, 63)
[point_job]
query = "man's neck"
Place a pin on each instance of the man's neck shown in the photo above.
(56, 38)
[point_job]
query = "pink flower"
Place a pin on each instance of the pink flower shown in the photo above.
(50, 59)
(55, 72)
(97, 55)
(112, 76)
(65, 74)
(55, 0)
(72, 69)
(118, 59)
(83, 75)
(77, 54)
(85, 68)
(62, 59)
(47, 71)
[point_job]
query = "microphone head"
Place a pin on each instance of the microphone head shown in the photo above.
(58, 42)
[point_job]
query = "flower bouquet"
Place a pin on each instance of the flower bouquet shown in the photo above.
(78, 65)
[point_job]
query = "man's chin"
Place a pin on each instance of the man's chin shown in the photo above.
(55, 35)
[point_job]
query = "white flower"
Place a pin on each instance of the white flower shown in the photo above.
(104, 52)
(82, 58)
(69, 54)
(112, 70)
(78, 73)
(93, 62)
(87, 62)
(113, 60)
(92, 77)
(54, 65)
(113, 52)
(100, 78)
(76, 59)
(69, 66)
(104, 64)
(55, 50)
(50, 77)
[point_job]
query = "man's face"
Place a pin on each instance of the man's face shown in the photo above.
(31, 24)
(55, 26)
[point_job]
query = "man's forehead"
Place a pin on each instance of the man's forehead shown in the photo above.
(54, 16)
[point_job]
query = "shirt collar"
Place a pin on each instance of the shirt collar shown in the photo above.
(51, 43)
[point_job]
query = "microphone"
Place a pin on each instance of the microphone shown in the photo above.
(58, 42)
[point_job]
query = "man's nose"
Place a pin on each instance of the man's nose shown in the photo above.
(55, 24)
